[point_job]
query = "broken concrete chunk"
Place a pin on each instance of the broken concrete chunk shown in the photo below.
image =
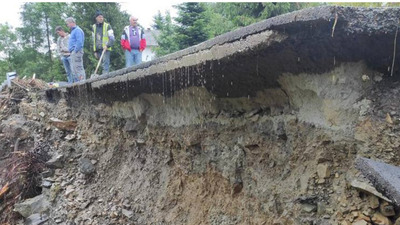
(63, 125)
(364, 186)
(384, 177)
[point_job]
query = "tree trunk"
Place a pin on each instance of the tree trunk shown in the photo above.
(48, 37)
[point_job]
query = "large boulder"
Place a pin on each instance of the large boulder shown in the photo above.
(30, 206)
(14, 127)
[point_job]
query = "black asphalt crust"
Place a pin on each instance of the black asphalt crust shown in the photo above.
(384, 177)
(360, 34)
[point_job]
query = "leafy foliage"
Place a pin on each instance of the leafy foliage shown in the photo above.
(31, 49)
(167, 38)
(197, 22)
(7, 47)
(192, 24)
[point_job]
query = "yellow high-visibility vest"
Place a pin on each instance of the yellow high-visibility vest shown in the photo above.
(105, 36)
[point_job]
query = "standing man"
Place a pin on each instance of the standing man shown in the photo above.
(75, 47)
(62, 48)
(103, 38)
(133, 42)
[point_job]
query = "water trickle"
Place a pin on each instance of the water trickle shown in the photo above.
(126, 87)
(212, 76)
(163, 86)
(171, 87)
(257, 66)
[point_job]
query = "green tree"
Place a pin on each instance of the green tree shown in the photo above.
(158, 20)
(197, 22)
(7, 47)
(166, 40)
(39, 21)
(37, 37)
(244, 14)
(192, 23)
(218, 23)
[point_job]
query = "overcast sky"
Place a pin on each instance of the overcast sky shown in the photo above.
(144, 10)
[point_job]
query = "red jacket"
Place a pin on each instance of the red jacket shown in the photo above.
(125, 41)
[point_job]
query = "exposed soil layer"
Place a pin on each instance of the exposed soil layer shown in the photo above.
(258, 126)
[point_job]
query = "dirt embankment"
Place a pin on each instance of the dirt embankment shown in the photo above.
(284, 156)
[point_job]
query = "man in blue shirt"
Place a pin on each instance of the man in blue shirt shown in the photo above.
(75, 47)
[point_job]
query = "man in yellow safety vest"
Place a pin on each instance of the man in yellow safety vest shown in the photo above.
(103, 38)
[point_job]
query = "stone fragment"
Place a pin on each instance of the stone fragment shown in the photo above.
(14, 127)
(360, 222)
(70, 137)
(365, 77)
(30, 206)
(309, 208)
(69, 190)
(380, 219)
(373, 201)
(389, 118)
(46, 184)
(127, 213)
(131, 125)
(345, 222)
(323, 170)
(86, 167)
(36, 219)
(386, 209)
(377, 78)
(63, 125)
(55, 162)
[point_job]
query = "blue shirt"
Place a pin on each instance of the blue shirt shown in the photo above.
(76, 39)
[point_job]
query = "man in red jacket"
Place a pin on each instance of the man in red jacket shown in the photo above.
(133, 42)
